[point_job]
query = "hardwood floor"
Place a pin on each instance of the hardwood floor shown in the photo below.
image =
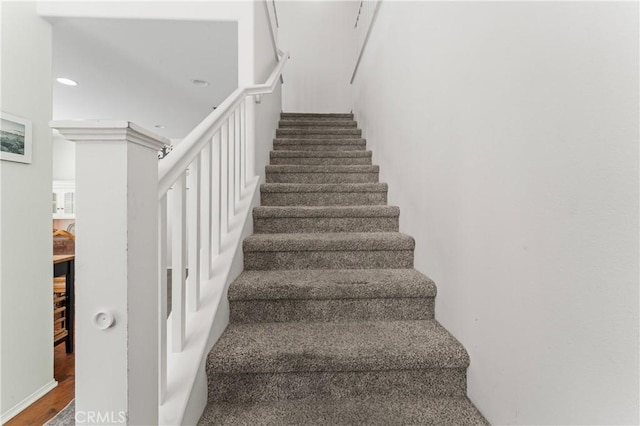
(52, 403)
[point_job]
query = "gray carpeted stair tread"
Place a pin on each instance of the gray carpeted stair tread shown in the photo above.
(334, 295)
(325, 211)
(314, 115)
(318, 133)
(331, 284)
(380, 411)
(337, 144)
(319, 154)
(301, 123)
(318, 141)
(329, 241)
(328, 169)
(330, 324)
(301, 219)
(322, 173)
(319, 157)
(333, 187)
(336, 346)
(319, 130)
(334, 194)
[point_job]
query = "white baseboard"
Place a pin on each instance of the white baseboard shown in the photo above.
(16, 409)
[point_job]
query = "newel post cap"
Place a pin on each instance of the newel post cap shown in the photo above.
(109, 131)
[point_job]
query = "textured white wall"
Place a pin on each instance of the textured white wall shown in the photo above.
(26, 310)
(319, 36)
(508, 134)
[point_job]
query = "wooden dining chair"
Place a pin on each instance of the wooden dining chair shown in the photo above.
(60, 325)
(60, 297)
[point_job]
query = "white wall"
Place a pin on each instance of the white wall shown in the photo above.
(253, 66)
(25, 272)
(267, 112)
(64, 158)
(134, 105)
(238, 11)
(319, 36)
(508, 133)
(141, 70)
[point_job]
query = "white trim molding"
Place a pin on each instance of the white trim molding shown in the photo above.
(19, 407)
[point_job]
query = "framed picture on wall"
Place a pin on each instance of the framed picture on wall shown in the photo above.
(16, 142)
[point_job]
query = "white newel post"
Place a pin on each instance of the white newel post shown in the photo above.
(117, 365)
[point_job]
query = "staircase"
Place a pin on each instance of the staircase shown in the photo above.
(330, 323)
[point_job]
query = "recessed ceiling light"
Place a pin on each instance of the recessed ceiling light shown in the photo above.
(200, 83)
(66, 81)
(160, 126)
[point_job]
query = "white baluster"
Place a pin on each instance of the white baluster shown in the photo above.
(178, 204)
(238, 153)
(193, 227)
(205, 213)
(162, 320)
(231, 155)
(243, 117)
(224, 182)
(216, 195)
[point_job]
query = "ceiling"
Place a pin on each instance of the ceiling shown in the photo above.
(142, 70)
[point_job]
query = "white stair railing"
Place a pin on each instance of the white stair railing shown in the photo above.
(125, 196)
(366, 16)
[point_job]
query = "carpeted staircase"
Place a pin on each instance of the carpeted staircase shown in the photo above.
(330, 323)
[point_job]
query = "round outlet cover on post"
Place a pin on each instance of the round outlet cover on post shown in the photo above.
(103, 320)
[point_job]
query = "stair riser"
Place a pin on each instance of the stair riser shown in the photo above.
(336, 385)
(278, 260)
(384, 411)
(277, 146)
(277, 225)
(322, 161)
(346, 124)
(322, 177)
(292, 310)
(323, 198)
(315, 116)
(319, 134)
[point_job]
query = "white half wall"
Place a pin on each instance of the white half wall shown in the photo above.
(508, 134)
(319, 35)
(26, 311)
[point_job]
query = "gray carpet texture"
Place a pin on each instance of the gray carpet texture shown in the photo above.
(319, 144)
(330, 324)
(437, 411)
(332, 194)
(318, 123)
(348, 158)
